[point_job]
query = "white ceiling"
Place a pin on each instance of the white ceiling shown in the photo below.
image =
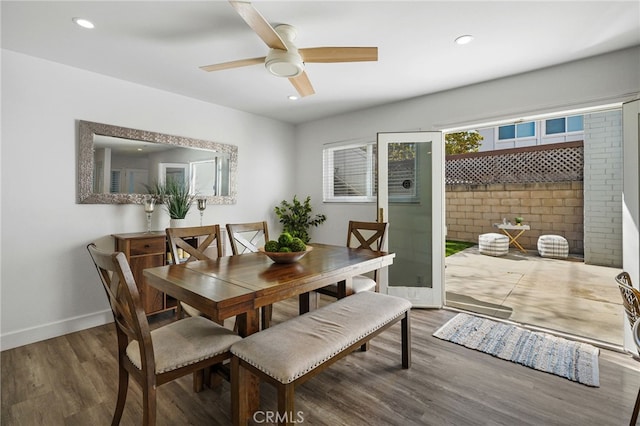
(161, 44)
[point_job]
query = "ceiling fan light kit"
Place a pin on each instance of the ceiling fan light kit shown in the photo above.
(284, 64)
(284, 59)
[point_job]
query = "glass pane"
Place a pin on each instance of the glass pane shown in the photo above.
(507, 132)
(410, 235)
(525, 130)
(402, 170)
(575, 123)
(555, 125)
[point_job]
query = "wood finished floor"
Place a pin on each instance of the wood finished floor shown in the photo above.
(71, 380)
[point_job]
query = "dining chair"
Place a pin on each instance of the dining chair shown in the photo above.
(361, 235)
(198, 243)
(153, 358)
(631, 304)
(246, 238)
(630, 297)
(636, 338)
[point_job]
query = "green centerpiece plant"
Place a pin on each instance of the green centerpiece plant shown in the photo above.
(296, 218)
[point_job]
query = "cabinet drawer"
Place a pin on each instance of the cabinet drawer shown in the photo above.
(147, 245)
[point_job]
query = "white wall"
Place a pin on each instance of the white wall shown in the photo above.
(48, 284)
(591, 82)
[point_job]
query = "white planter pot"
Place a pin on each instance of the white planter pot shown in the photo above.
(177, 223)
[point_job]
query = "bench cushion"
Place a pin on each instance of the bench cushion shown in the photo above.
(291, 349)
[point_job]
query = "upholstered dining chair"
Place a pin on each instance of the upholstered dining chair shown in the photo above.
(363, 235)
(153, 358)
(246, 238)
(198, 243)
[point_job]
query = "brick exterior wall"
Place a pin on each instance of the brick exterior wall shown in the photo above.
(549, 208)
(603, 179)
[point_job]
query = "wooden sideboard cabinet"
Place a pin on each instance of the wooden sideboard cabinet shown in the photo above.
(146, 250)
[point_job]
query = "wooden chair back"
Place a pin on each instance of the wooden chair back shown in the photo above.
(196, 241)
(368, 235)
(247, 237)
(126, 305)
(630, 297)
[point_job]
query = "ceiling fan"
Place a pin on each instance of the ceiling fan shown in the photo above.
(284, 58)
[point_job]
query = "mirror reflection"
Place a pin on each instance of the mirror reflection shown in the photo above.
(117, 164)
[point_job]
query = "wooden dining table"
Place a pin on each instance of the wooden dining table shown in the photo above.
(240, 285)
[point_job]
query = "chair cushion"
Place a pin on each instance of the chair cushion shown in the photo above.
(185, 342)
(493, 244)
(291, 349)
(363, 283)
(190, 310)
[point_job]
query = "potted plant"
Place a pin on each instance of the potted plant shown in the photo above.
(296, 217)
(175, 196)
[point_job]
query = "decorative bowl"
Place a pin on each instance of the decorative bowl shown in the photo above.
(290, 257)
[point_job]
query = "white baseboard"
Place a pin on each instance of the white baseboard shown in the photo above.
(54, 329)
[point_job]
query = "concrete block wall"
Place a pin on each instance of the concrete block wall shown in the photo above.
(549, 208)
(603, 179)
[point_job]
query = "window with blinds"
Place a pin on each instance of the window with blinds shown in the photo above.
(349, 173)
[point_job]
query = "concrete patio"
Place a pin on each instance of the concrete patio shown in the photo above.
(561, 295)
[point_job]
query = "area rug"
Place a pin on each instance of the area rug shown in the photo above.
(565, 358)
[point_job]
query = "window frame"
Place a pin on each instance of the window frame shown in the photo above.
(328, 173)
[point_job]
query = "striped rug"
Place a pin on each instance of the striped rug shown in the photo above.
(565, 358)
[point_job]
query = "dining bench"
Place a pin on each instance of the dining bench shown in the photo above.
(296, 350)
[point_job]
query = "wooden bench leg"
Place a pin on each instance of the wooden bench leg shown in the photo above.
(286, 395)
(199, 380)
(406, 340)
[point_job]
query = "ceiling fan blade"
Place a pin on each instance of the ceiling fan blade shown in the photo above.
(233, 64)
(258, 24)
(339, 54)
(302, 84)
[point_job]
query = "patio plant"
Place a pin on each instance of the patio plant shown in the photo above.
(296, 217)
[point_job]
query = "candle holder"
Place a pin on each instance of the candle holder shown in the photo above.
(149, 205)
(202, 205)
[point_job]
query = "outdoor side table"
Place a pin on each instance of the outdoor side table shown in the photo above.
(516, 232)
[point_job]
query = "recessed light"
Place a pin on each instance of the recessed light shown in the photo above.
(84, 23)
(293, 98)
(464, 39)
